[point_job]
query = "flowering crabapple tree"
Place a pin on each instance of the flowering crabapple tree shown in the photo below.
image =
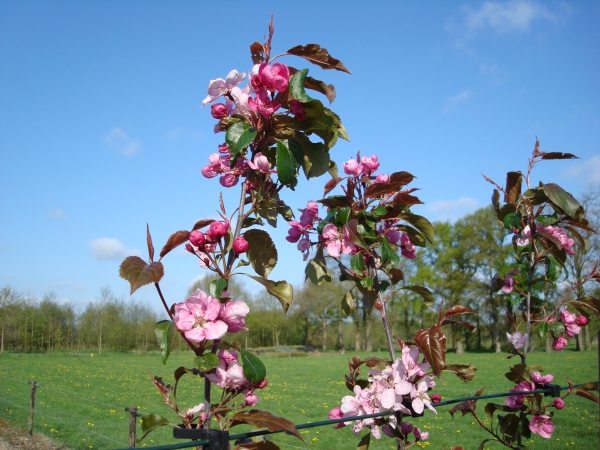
(365, 230)
(544, 223)
(273, 131)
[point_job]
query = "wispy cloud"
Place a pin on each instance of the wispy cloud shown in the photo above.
(516, 15)
(586, 172)
(110, 248)
(120, 141)
(56, 214)
(452, 209)
(453, 101)
(181, 132)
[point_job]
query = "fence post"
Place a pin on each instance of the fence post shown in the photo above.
(32, 407)
(132, 424)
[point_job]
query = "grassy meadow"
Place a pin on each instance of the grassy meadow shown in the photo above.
(82, 398)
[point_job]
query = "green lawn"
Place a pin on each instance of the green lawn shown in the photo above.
(300, 389)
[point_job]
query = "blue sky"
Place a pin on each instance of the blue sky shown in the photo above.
(102, 130)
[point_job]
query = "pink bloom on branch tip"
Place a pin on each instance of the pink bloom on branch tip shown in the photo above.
(218, 230)
(517, 339)
(421, 435)
(536, 377)
(559, 343)
(525, 237)
(408, 248)
(260, 163)
(369, 164)
(542, 425)
(219, 110)
(558, 236)
(198, 318)
(197, 238)
(336, 242)
(381, 178)
(508, 284)
(263, 104)
(567, 317)
(275, 77)
(229, 180)
(240, 245)
(234, 313)
(581, 320)
(309, 214)
(251, 399)
(559, 403)
(352, 167)
(220, 86)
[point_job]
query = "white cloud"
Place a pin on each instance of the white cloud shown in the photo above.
(587, 172)
(56, 214)
(110, 248)
(118, 140)
(452, 209)
(453, 101)
(516, 15)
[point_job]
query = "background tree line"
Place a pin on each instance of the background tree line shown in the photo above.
(458, 268)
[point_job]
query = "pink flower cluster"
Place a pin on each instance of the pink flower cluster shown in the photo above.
(299, 230)
(203, 317)
(219, 164)
(397, 237)
(366, 166)
(518, 340)
(555, 234)
(204, 244)
(573, 324)
(230, 375)
(403, 387)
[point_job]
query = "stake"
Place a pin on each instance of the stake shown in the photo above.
(31, 408)
(132, 424)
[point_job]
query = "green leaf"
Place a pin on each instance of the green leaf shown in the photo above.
(268, 211)
(552, 268)
(254, 370)
(425, 293)
(421, 224)
(206, 362)
(296, 150)
(556, 329)
(357, 263)
(139, 273)
(261, 251)
(286, 212)
(151, 422)
(379, 211)
(543, 329)
(366, 282)
(565, 201)
(282, 290)
(217, 286)
(316, 157)
(285, 163)
(342, 216)
(547, 220)
(348, 303)
(355, 234)
(164, 334)
(239, 136)
(512, 221)
(316, 269)
(389, 258)
(296, 85)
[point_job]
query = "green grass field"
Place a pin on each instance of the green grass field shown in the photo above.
(91, 414)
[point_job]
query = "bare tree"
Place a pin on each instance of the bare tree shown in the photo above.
(8, 299)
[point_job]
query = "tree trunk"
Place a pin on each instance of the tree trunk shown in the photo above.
(578, 342)
(100, 336)
(588, 344)
(531, 344)
(357, 331)
(324, 321)
(2, 343)
(548, 343)
(340, 337)
(459, 348)
(368, 339)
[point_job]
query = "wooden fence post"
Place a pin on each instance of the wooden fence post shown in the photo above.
(132, 424)
(32, 407)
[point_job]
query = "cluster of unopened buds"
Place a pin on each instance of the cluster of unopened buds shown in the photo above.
(540, 423)
(204, 245)
(336, 239)
(230, 375)
(401, 388)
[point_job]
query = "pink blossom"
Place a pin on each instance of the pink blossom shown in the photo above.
(508, 284)
(263, 384)
(295, 232)
(223, 149)
(559, 403)
(336, 413)
(229, 180)
(198, 318)
(260, 163)
(558, 236)
(309, 214)
(230, 373)
(337, 242)
(517, 340)
(220, 86)
(297, 109)
(218, 230)
(251, 399)
(381, 178)
(525, 237)
(218, 110)
(234, 314)
(536, 377)
(516, 401)
(393, 235)
(240, 245)
(420, 399)
(275, 77)
(542, 425)
(421, 435)
(304, 247)
(408, 248)
(263, 104)
(572, 330)
(352, 167)
(567, 317)
(410, 358)
(581, 320)
(197, 238)
(559, 343)
(369, 164)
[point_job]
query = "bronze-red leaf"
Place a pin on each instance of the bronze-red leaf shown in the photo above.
(330, 185)
(257, 51)
(559, 155)
(264, 419)
(175, 240)
(202, 223)
(319, 56)
(458, 309)
(432, 342)
(139, 273)
(150, 245)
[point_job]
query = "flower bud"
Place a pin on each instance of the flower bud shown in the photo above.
(217, 230)
(559, 343)
(218, 111)
(255, 81)
(263, 384)
(240, 245)
(406, 428)
(436, 398)
(378, 305)
(581, 321)
(197, 238)
(559, 403)
(223, 149)
(189, 248)
(251, 399)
